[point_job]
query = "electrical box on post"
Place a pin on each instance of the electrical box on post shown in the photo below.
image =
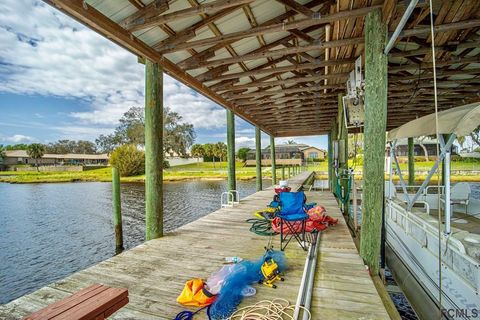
(353, 102)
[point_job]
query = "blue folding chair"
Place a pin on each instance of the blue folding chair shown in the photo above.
(292, 213)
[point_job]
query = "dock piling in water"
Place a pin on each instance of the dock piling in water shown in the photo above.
(117, 211)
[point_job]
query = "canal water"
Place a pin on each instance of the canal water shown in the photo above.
(49, 231)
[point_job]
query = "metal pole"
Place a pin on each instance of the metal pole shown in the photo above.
(400, 26)
(448, 207)
(311, 277)
(117, 211)
(258, 157)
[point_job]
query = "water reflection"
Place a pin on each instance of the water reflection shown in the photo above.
(48, 231)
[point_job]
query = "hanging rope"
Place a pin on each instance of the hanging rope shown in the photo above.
(432, 34)
(276, 309)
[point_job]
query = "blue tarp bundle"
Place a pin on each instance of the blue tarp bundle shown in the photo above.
(244, 274)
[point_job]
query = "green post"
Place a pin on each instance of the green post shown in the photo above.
(375, 127)
(258, 157)
(289, 171)
(117, 211)
(330, 161)
(283, 172)
(153, 150)
(411, 162)
(272, 156)
(334, 135)
(343, 137)
(231, 151)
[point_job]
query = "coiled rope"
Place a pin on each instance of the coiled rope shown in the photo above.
(276, 309)
(262, 227)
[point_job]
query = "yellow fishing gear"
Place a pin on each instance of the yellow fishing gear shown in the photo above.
(195, 294)
(267, 213)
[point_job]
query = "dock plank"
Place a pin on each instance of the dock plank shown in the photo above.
(156, 271)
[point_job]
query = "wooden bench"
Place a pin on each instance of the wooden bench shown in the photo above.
(94, 302)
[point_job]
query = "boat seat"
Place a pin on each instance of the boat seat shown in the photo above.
(94, 302)
(459, 194)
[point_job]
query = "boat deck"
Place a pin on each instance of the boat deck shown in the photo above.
(156, 271)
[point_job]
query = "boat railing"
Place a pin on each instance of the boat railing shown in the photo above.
(412, 218)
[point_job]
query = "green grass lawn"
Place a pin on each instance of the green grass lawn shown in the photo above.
(209, 170)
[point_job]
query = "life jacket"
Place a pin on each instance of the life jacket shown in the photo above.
(195, 294)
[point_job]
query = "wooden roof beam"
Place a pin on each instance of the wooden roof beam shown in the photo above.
(318, 45)
(148, 20)
(189, 33)
(292, 80)
(297, 67)
(276, 27)
(292, 4)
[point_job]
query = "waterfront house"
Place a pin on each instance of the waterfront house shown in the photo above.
(287, 154)
(14, 158)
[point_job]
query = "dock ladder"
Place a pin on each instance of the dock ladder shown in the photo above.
(229, 198)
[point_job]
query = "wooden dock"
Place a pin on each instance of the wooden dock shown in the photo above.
(156, 271)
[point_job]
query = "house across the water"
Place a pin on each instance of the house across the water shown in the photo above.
(288, 154)
(14, 158)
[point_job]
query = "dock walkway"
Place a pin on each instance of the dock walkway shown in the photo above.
(155, 272)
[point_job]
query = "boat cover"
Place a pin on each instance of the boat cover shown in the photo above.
(459, 120)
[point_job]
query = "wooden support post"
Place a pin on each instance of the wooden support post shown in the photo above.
(411, 162)
(334, 135)
(153, 150)
(375, 127)
(272, 155)
(330, 161)
(343, 140)
(289, 171)
(232, 185)
(283, 172)
(117, 211)
(258, 157)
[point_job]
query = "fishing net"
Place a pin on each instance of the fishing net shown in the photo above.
(241, 276)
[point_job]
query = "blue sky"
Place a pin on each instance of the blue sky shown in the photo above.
(60, 80)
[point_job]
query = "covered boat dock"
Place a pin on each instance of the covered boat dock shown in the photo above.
(281, 65)
(156, 271)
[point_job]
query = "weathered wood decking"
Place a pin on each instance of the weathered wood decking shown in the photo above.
(156, 271)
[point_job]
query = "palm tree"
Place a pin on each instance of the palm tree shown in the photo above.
(221, 150)
(197, 151)
(291, 141)
(36, 151)
(209, 151)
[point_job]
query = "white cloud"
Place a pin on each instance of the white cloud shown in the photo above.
(244, 141)
(18, 138)
(44, 52)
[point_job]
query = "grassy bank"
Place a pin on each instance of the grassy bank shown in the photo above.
(209, 170)
(203, 170)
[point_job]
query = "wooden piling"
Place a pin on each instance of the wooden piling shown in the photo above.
(375, 127)
(153, 150)
(272, 155)
(283, 172)
(330, 161)
(232, 185)
(258, 157)
(411, 162)
(117, 211)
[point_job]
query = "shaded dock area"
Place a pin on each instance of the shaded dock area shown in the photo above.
(155, 272)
